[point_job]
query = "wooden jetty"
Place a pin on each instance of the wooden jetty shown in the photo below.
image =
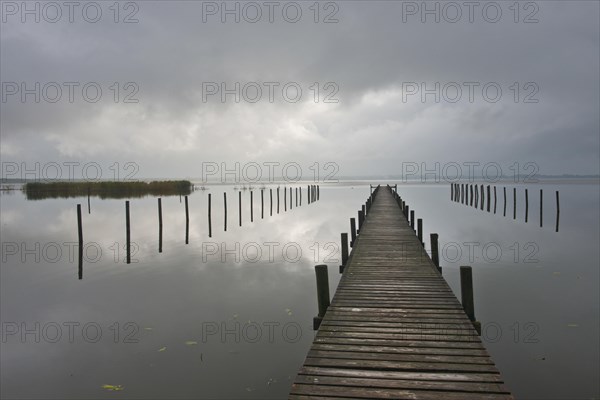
(394, 328)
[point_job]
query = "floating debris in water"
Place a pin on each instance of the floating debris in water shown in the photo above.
(191, 343)
(113, 388)
(148, 328)
(162, 348)
(573, 325)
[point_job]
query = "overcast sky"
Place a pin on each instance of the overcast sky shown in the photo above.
(370, 57)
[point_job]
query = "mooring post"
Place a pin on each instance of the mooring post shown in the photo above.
(80, 236)
(160, 225)
(251, 206)
(452, 191)
(344, 251)
(364, 210)
(420, 231)
(240, 206)
(187, 222)
(262, 204)
(557, 210)
(489, 196)
(300, 193)
(526, 205)
(435, 251)
(127, 234)
(406, 211)
(495, 199)
(308, 194)
(482, 196)
(412, 219)
(291, 198)
(504, 200)
(541, 207)
(471, 195)
(271, 202)
(284, 199)
(514, 203)
(361, 219)
(352, 231)
(318, 191)
(466, 292)
(225, 211)
(209, 216)
(476, 196)
(296, 190)
(322, 294)
(277, 199)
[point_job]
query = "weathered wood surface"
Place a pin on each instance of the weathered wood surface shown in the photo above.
(394, 328)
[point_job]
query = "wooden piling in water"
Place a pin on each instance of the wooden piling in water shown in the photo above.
(462, 193)
(291, 198)
(160, 225)
(344, 251)
(541, 207)
(526, 206)
(471, 203)
(251, 206)
(361, 219)
(352, 231)
(127, 234)
(482, 196)
(420, 231)
(277, 199)
(489, 196)
(209, 216)
(88, 198)
(476, 196)
(187, 222)
(452, 191)
(466, 292)
(225, 211)
(514, 203)
(495, 199)
(271, 201)
(504, 201)
(284, 199)
(318, 192)
(240, 206)
(300, 193)
(406, 211)
(412, 219)
(296, 190)
(262, 203)
(322, 293)
(308, 194)
(557, 210)
(435, 251)
(80, 237)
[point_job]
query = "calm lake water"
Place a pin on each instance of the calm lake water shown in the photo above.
(230, 316)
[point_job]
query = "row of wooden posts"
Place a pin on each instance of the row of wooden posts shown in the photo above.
(321, 271)
(313, 195)
(474, 195)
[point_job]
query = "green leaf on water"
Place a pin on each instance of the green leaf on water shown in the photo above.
(191, 343)
(112, 387)
(162, 349)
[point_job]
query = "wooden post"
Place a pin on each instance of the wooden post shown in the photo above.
(435, 251)
(471, 194)
(452, 191)
(240, 206)
(412, 219)
(284, 199)
(225, 211)
(187, 222)
(160, 225)
(364, 210)
(406, 211)
(482, 196)
(127, 234)
(361, 219)
(514, 203)
(322, 294)
(271, 201)
(262, 204)
(526, 205)
(352, 231)
(209, 216)
(277, 199)
(308, 194)
(420, 231)
(251, 206)
(476, 196)
(495, 199)
(557, 210)
(541, 207)
(300, 193)
(489, 196)
(89, 205)
(504, 200)
(466, 291)
(318, 192)
(344, 251)
(296, 190)
(462, 193)
(291, 198)
(80, 236)
(466, 194)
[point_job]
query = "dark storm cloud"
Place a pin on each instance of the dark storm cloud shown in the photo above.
(371, 55)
